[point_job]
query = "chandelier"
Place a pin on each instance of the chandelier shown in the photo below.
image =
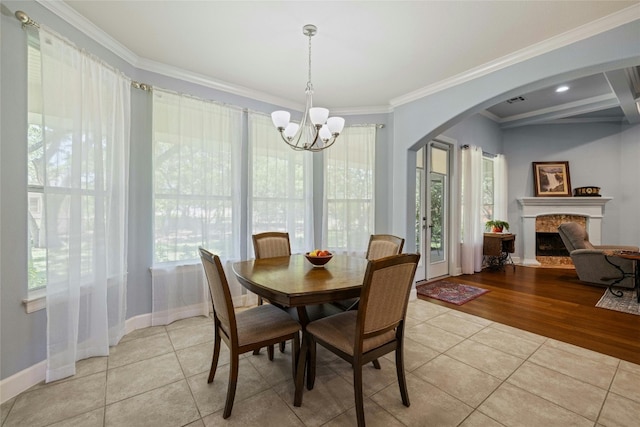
(317, 130)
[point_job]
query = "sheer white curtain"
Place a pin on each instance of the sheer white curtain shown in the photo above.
(196, 179)
(86, 116)
(349, 178)
(500, 204)
(280, 186)
(472, 227)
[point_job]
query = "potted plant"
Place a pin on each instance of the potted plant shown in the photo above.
(497, 225)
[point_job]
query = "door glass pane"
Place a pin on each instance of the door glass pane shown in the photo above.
(439, 160)
(437, 216)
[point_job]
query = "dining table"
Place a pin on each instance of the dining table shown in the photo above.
(292, 282)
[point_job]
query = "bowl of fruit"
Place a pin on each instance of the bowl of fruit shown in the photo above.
(318, 257)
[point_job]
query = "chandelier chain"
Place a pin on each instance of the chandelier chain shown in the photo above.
(309, 81)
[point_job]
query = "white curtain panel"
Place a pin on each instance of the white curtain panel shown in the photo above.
(349, 178)
(280, 186)
(86, 116)
(196, 180)
(472, 227)
(500, 204)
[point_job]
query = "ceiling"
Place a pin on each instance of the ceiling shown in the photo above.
(257, 49)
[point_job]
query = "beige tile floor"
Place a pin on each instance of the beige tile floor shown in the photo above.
(462, 370)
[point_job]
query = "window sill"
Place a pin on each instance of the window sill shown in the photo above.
(35, 301)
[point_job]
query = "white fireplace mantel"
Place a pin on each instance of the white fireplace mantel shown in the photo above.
(590, 207)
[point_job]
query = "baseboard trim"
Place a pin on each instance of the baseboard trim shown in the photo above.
(21, 381)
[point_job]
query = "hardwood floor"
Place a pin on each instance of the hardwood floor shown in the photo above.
(553, 303)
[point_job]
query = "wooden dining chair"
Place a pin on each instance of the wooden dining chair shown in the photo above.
(383, 245)
(375, 329)
(271, 244)
(245, 331)
(380, 246)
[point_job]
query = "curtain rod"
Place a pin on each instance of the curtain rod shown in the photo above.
(484, 153)
(28, 22)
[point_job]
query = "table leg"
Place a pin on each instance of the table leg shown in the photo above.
(309, 354)
(637, 274)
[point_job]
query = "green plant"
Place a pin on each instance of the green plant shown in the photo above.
(496, 225)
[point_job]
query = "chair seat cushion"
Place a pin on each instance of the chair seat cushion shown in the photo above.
(339, 330)
(263, 323)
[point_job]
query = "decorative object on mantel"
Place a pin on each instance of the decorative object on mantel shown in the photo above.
(551, 179)
(496, 225)
(317, 130)
(586, 191)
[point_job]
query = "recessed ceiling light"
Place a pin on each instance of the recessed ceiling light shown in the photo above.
(563, 88)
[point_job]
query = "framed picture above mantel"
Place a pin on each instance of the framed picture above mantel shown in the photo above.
(551, 179)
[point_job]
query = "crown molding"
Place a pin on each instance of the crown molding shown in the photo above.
(609, 22)
(87, 27)
(563, 111)
(488, 114)
(206, 81)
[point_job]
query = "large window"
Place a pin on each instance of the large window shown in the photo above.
(349, 190)
(280, 185)
(37, 260)
(196, 177)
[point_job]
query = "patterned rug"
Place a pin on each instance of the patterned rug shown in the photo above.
(627, 303)
(454, 293)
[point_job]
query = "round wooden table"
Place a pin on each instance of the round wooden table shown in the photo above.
(292, 281)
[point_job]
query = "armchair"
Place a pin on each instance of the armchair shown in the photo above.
(590, 262)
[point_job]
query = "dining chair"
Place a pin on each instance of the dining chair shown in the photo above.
(383, 245)
(380, 246)
(375, 329)
(269, 245)
(245, 331)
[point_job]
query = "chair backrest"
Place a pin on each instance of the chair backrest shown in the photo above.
(383, 245)
(271, 244)
(385, 293)
(574, 236)
(220, 293)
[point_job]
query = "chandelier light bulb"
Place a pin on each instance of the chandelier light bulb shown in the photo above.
(290, 130)
(280, 119)
(325, 133)
(335, 125)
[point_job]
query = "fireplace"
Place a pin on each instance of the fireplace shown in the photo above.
(550, 249)
(550, 245)
(541, 217)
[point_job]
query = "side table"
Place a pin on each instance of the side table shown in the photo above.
(635, 256)
(497, 249)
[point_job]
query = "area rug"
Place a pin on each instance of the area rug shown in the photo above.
(627, 303)
(454, 293)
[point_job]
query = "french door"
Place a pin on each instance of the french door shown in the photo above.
(433, 204)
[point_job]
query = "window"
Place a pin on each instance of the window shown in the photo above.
(37, 255)
(349, 190)
(280, 185)
(488, 189)
(196, 157)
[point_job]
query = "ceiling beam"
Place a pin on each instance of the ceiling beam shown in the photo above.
(621, 86)
(546, 115)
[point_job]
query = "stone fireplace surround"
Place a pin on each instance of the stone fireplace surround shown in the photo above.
(592, 208)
